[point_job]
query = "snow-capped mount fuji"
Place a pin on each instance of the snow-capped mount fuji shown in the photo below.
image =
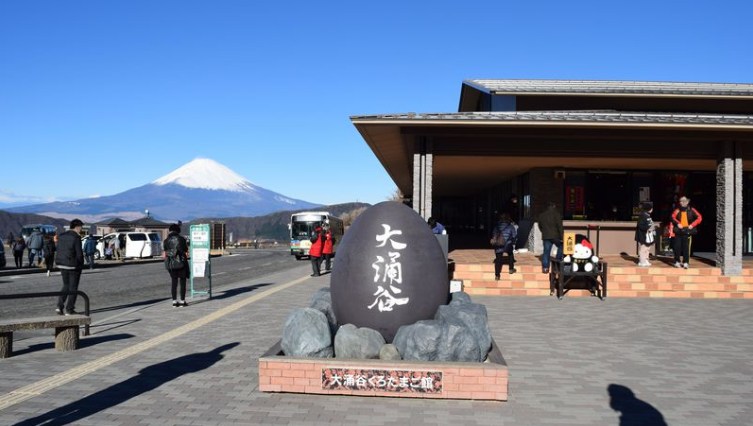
(203, 173)
(200, 188)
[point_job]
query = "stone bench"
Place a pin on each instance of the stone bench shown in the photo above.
(66, 331)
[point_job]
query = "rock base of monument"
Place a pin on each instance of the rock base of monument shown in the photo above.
(380, 378)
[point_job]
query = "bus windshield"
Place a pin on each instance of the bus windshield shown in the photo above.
(302, 230)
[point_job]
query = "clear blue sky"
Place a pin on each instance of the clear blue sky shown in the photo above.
(97, 97)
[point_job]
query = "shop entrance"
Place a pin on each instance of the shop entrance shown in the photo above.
(608, 196)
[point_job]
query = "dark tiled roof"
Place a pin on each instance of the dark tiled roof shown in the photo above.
(612, 87)
(572, 116)
(116, 221)
(149, 222)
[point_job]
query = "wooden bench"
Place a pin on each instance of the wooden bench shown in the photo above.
(562, 280)
(66, 331)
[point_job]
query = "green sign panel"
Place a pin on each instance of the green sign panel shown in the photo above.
(201, 265)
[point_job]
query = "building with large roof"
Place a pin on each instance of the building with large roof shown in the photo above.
(596, 148)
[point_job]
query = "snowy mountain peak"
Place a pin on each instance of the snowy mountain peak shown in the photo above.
(205, 173)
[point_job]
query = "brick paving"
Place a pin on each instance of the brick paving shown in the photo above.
(684, 359)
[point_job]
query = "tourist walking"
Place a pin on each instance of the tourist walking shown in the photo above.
(34, 244)
(645, 233)
(328, 249)
(685, 220)
(49, 253)
(176, 262)
(70, 260)
(19, 246)
(503, 241)
(550, 225)
(315, 252)
(90, 248)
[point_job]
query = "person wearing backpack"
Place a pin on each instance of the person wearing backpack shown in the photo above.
(176, 262)
(90, 247)
(35, 243)
(19, 245)
(503, 241)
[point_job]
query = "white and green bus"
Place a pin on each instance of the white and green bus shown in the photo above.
(302, 226)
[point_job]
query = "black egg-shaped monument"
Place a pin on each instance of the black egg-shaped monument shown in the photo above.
(390, 271)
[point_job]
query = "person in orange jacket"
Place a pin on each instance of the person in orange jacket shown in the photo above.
(315, 252)
(685, 221)
(328, 250)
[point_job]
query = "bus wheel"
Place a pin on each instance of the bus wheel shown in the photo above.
(297, 257)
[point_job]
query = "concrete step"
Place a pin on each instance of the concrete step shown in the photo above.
(623, 281)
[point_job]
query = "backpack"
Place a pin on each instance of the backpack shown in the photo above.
(173, 258)
(498, 239)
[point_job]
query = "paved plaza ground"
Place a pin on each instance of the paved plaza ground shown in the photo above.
(688, 361)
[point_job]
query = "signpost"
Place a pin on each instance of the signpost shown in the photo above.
(201, 265)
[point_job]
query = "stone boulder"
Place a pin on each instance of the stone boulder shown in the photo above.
(419, 341)
(359, 343)
(307, 334)
(322, 302)
(389, 352)
(458, 345)
(460, 297)
(473, 317)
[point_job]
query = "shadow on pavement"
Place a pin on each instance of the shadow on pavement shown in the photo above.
(634, 412)
(100, 328)
(83, 343)
(240, 290)
(147, 380)
(130, 305)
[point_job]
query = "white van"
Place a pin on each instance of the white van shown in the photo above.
(134, 244)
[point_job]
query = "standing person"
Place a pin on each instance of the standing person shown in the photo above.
(329, 249)
(35, 243)
(49, 253)
(176, 262)
(10, 239)
(70, 261)
(90, 247)
(315, 252)
(19, 246)
(550, 225)
(685, 220)
(116, 247)
(512, 208)
(645, 233)
(436, 227)
(503, 240)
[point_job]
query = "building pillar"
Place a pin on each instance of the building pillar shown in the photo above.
(729, 209)
(423, 164)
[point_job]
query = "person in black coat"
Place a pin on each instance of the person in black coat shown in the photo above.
(70, 261)
(176, 262)
(506, 230)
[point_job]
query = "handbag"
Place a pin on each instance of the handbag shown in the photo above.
(649, 237)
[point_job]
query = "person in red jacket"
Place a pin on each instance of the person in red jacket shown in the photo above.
(315, 252)
(685, 220)
(329, 249)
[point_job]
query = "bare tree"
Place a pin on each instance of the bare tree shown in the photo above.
(396, 195)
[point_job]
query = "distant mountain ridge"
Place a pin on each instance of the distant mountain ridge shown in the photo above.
(273, 226)
(200, 188)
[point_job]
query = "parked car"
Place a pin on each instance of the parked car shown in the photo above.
(133, 244)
